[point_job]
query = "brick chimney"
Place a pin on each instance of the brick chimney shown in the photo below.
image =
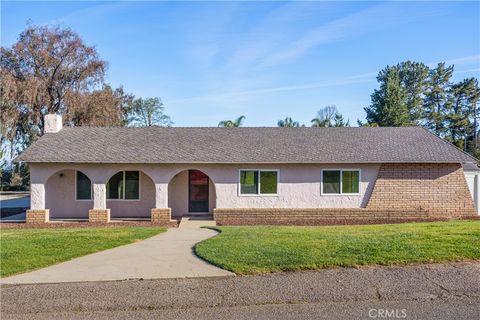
(53, 123)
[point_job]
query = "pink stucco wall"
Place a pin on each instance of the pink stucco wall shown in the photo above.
(299, 187)
(162, 186)
(60, 197)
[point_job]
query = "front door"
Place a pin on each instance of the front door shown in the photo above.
(197, 191)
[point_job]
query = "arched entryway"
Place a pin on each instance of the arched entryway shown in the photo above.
(130, 194)
(191, 192)
(68, 195)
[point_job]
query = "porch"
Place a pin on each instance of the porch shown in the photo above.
(125, 193)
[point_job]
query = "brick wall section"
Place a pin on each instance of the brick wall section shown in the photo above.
(38, 216)
(99, 215)
(318, 216)
(162, 216)
(440, 189)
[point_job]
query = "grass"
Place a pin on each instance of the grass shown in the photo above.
(261, 249)
(24, 250)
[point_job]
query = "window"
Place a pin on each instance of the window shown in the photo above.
(132, 185)
(124, 185)
(340, 181)
(350, 181)
(258, 182)
(249, 182)
(84, 187)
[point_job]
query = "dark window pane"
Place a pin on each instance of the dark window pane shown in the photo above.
(248, 182)
(132, 185)
(84, 187)
(350, 181)
(115, 186)
(268, 182)
(331, 181)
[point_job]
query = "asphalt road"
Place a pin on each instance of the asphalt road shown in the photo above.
(15, 201)
(437, 291)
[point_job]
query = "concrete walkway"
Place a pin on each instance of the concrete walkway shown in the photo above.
(167, 255)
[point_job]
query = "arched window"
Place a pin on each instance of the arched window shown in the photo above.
(124, 185)
(83, 187)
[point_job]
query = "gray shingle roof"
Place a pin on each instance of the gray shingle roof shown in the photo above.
(470, 166)
(242, 145)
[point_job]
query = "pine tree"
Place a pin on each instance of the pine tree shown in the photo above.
(438, 98)
(414, 77)
(462, 115)
(389, 107)
(399, 100)
(339, 121)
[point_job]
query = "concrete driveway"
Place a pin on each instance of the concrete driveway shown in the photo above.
(167, 255)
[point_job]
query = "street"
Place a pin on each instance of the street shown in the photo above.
(436, 291)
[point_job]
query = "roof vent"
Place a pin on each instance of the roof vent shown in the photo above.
(53, 123)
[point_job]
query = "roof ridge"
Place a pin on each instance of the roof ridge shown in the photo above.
(235, 128)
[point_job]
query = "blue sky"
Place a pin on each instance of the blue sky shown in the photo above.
(211, 61)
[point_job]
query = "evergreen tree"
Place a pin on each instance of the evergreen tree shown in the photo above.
(438, 98)
(461, 117)
(389, 102)
(414, 78)
(339, 121)
(288, 123)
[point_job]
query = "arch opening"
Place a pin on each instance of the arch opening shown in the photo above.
(191, 192)
(69, 194)
(130, 194)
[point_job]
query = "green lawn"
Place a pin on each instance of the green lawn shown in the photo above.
(259, 249)
(24, 250)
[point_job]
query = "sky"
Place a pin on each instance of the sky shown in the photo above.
(212, 61)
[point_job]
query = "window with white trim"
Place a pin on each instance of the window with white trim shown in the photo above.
(258, 182)
(341, 181)
(83, 188)
(124, 185)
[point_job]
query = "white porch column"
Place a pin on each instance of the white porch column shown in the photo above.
(161, 195)
(99, 196)
(99, 213)
(37, 212)
(161, 214)
(37, 196)
(476, 193)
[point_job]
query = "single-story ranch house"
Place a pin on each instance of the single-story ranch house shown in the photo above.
(248, 175)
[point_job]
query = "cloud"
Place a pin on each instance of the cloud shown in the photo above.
(360, 78)
(96, 12)
(379, 16)
(271, 32)
(343, 81)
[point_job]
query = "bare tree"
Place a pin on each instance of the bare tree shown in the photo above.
(104, 107)
(325, 117)
(44, 67)
(148, 112)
